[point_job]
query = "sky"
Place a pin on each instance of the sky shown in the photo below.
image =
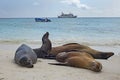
(53, 8)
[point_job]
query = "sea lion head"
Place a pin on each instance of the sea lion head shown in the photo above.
(24, 61)
(95, 66)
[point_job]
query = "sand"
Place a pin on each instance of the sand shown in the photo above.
(43, 71)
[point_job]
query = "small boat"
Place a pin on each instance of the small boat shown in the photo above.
(42, 20)
(70, 15)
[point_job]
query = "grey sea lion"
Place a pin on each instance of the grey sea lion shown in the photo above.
(78, 47)
(78, 59)
(44, 50)
(25, 56)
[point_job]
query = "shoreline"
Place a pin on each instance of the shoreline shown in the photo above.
(107, 48)
(62, 40)
(43, 71)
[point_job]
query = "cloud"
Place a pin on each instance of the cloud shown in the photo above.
(77, 3)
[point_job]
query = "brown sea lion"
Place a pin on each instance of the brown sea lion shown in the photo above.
(44, 50)
(78, 47)
(78, 59)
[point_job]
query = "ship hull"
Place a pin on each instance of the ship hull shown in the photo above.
(67, 16)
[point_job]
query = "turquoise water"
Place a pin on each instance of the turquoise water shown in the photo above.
(90, 31)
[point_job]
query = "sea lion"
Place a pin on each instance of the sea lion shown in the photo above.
(78, 47)
(25, 56)
(45, 49)
(78, 59)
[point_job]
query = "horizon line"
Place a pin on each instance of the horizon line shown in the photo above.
(77, 17)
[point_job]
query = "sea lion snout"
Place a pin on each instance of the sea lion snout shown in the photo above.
(30, 66)
(96, 66)
(24, 61)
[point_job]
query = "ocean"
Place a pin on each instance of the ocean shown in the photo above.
(84, 30)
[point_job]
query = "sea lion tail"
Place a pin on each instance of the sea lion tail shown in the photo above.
(60, 64)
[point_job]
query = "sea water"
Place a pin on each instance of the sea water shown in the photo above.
(86, 30)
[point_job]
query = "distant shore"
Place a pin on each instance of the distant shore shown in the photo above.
(43, 71)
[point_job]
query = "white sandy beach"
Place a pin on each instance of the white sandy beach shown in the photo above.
(43, 71)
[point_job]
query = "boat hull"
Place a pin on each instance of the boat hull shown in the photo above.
(42, 20)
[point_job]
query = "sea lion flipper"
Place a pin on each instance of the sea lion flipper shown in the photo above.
(105, 55)
(60, 64)
(50, 56)
(46, 43)
(45, 36)
(46, 47)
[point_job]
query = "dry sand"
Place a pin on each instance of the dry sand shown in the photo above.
(43, 71)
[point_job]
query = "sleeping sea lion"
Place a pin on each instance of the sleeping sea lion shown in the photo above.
(78, 59)
(78, 47)
(46, 47)
(25, 56)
